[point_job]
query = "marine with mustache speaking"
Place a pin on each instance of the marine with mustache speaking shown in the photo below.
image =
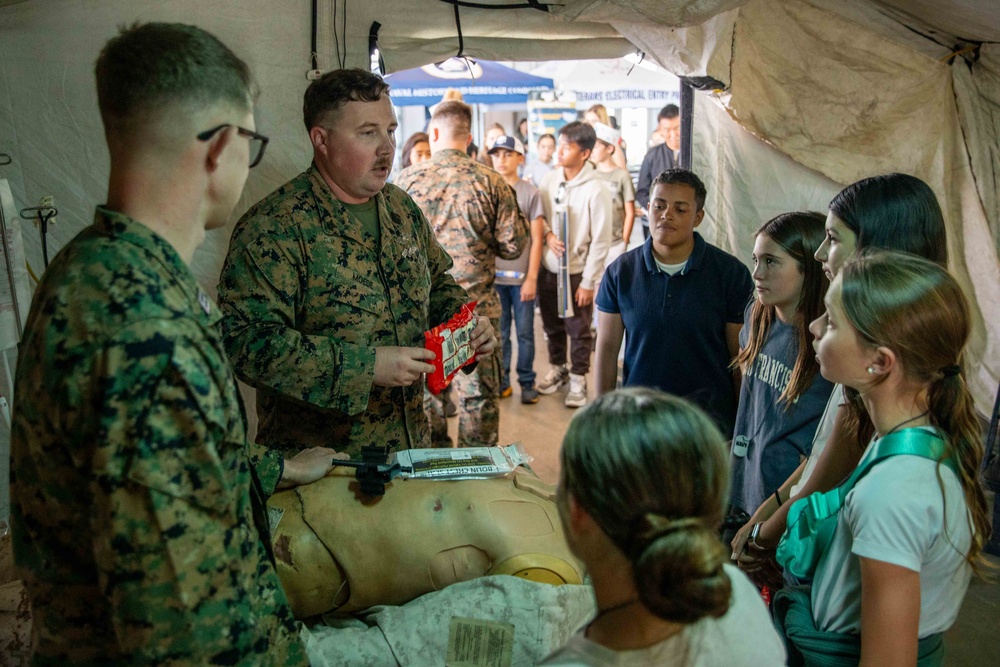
(329, 285)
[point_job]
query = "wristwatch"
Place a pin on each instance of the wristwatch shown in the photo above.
(754, 532)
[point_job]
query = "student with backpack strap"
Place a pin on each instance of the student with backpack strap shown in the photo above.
(913, 519)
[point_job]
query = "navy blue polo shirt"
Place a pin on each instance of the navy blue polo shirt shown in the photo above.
(675, 326)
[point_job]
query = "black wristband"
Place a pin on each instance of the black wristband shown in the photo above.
(777, 497)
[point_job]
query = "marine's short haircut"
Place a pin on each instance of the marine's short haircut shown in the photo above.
(683, 177)
(668, 112)
(456, 115)
(579, 133)
(154, 65)
(335, 89)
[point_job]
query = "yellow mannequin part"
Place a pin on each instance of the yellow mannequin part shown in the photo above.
(338, 550)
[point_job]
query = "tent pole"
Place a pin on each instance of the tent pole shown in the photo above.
(687, 123)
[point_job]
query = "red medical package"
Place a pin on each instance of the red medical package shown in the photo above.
(451, 344)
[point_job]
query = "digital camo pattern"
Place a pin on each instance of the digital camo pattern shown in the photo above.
(307, 295)
(137, 519)
(475, 216)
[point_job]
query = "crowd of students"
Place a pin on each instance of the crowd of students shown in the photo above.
(845, 339)
(853, 348)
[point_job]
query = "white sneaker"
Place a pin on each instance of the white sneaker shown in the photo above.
(577, 396)
(555, 378)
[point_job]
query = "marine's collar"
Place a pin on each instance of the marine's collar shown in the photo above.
(120, 226)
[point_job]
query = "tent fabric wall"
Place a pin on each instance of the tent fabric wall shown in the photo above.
(50, 124)
(748, 181)
(676, 14)
(418, 32)
(696, 51)
(977, 89)
(875, 107)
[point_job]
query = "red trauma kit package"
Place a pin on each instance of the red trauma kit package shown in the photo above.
(451, 344)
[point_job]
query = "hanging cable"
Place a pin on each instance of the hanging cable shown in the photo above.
(461, 39)
(641, 56)
(343, 34)
(43, 214)
(340, 40)
(315, 30)
(375, 61)
(528, 4)
(336, 37)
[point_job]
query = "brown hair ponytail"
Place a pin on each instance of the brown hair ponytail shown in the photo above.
(678, 570)
(915, 308)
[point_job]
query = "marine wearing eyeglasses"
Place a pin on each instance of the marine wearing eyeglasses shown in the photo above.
(138, 520)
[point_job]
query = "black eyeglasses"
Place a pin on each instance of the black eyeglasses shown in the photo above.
(258, 142)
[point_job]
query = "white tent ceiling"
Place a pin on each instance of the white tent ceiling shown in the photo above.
(832, 91)
(614, 82)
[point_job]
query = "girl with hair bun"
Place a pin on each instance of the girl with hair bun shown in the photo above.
(643, 490)
(911, 526)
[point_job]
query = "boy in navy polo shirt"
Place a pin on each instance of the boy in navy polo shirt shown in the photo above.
(681, 302)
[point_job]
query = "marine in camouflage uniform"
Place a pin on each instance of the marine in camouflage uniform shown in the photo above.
(137, 516)
(307, 295)
(475, 216)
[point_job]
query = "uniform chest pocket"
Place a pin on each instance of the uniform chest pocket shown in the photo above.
(346, 289)
(411, 273)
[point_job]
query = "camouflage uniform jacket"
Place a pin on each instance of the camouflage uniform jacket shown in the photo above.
(475, 216)
(137, 516)
(307, 296)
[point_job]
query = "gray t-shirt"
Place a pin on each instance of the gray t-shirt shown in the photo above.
(534, 171)
(622, 191)
(743, 636)
(513, 271)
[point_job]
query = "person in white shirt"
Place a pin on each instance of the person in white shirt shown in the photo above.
(643, 489)
(619, 183)
(910, 531)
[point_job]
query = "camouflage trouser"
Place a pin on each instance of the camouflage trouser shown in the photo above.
(478, 397)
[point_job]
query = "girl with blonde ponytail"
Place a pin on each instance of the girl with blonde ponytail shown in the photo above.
(911, 528)
(643, 490)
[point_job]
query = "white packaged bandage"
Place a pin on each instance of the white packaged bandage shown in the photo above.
(463, 463)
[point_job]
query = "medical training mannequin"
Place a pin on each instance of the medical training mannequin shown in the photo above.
(337, 549)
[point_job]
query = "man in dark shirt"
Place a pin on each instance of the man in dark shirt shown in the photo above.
(659, 158)
(681, 301)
